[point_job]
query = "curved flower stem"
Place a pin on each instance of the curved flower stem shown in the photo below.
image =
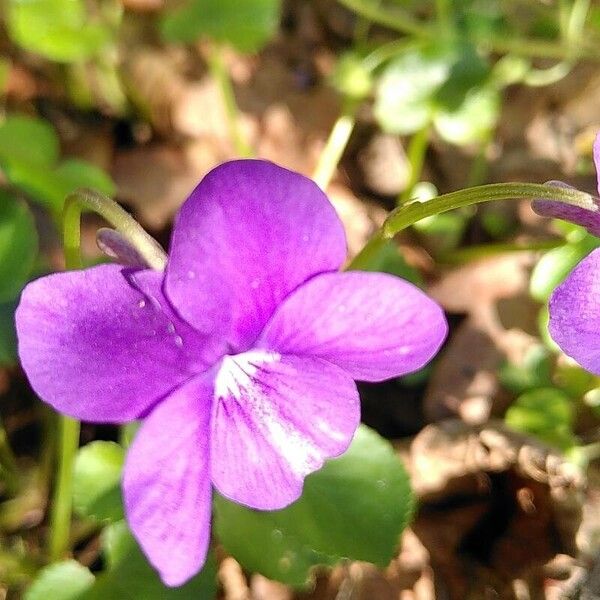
(221, 77)
(154, 255)
(404, 216)
(336, 144)
(132, 231)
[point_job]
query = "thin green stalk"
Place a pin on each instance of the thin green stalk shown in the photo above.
(405, 23)
(60, 515)
(75, 203)
(406, 215)
(398, 19)
(232, 113)
(336, 144)
(484, 250)
(417, 148)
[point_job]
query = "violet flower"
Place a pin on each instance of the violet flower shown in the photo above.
(574, 322)
(240, 357)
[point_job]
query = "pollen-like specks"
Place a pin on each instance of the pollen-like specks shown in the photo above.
(141, 304)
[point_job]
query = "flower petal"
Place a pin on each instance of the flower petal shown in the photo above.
(372, 325)
(575, 313)
(275, 420)
(250, 233)
(166, 483)
(96, 348)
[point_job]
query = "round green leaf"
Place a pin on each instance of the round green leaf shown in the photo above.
(66, 580)
(60, 30)
(546, 413)
(74, 173)
(18, 246)
(29, 140)
(355, 507)
(96, 481)
(404, 100)
(246, 25)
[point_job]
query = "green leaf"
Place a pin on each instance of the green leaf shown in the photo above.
(546, 413)
(355, 507)
(534, 372)
(130, 577)
(67, 580)
(18, 246)
(96, 481)
(556, 264)
(473, 119)
(61, 30)
(247, 25)
(29, 140)
(405, 96)
(8, 335)
(74, 173)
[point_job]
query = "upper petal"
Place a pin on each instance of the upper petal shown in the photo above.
(372, 325)
(166, 483)
(250, 233)
(96, 348)
(275, 420)
(575, 313)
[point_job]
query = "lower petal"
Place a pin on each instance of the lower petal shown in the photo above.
(575, 313)
(166, 483)
(275, 420)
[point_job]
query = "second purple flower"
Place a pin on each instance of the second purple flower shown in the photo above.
(240, 357)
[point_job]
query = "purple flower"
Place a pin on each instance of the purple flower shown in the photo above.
(240, 357)
(588, 217)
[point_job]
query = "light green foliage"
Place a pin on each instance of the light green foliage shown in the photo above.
(355, 507)
(130, 577)
(67, 580)
(446, 85)
(97, 473)
(546, 413)
(18, 246)
(556, 264)
(247, 26)
(534, 372)
(351, 78)
(61, 30)
(29, 151)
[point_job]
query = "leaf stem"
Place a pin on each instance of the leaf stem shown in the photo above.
(221, 76)
(336, 144)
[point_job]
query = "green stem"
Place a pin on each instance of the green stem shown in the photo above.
(406, 215)
(60, 516)
(336, 144)
(150, 250)
(417, 148)
(232, 113)
(484, 250)
(401, 21)
(85, 199)
(398, 20)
